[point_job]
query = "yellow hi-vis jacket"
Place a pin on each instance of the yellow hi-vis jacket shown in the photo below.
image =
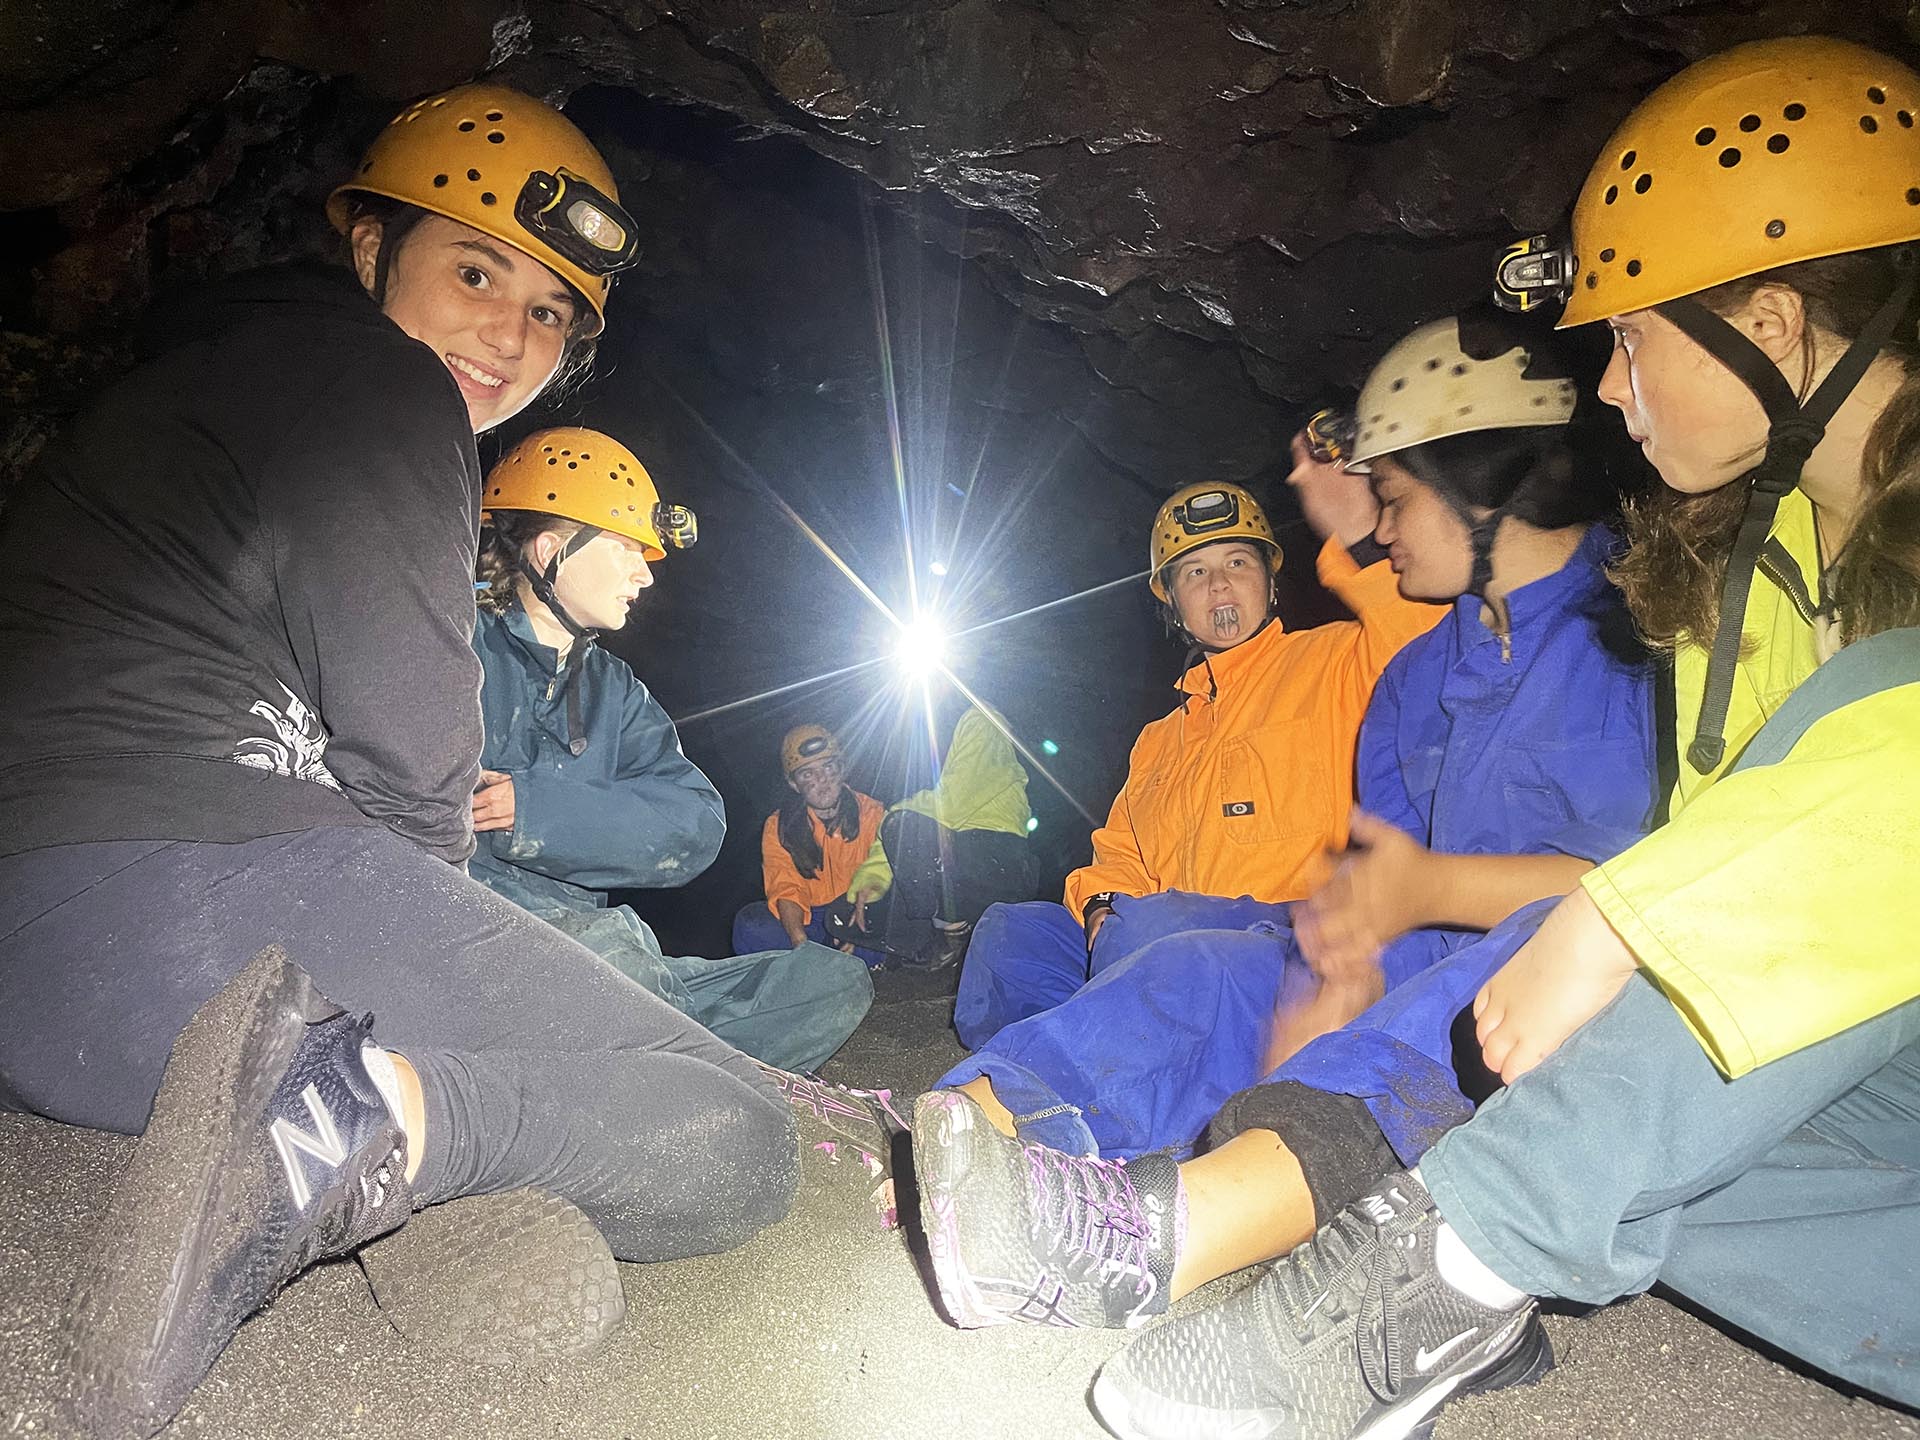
(982, 786)
(1778, 906)
(1242, 789)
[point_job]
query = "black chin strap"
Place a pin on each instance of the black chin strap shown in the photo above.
(542, 585)
(1794, 431)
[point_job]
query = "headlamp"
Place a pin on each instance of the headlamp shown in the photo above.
(1330, 436)
(577, 221)
(1211, 510)
(677, 526)
(1533, 272)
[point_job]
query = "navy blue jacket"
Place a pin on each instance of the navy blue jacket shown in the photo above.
(628, 811)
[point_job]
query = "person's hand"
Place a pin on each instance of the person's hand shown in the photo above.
(1100, 917)
(1553, 985)
(860, 916)
(1335, 501)
(493, 801)
(1372, 897)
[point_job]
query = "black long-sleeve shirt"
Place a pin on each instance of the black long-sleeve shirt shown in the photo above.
(238, 592)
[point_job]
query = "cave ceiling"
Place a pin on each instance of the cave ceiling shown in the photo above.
(1222, 211)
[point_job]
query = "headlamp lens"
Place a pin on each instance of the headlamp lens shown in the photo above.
(1330, 436)
(1210, 510)
(576, 221)
(677, 525)
(1534, 272)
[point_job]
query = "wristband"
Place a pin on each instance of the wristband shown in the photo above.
(1102, 901)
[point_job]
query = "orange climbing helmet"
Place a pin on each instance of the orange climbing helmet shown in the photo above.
(806, 745)
(512, 167)
(586, 476)
(1764, 155)
(1203, 515)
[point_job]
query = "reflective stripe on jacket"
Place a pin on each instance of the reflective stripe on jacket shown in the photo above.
(1242, 789)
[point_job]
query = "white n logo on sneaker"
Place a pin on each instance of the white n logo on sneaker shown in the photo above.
(324, 1145)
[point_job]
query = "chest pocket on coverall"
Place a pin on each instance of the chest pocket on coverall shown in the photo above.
(1551, 789)
(1280, 770)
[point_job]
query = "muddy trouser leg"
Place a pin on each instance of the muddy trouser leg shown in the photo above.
(540, 1064)
(1787, 1201)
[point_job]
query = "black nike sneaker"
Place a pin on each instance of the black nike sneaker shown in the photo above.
(1355, 1334)
(269, 1147)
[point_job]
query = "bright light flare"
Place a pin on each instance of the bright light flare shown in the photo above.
(921, 648)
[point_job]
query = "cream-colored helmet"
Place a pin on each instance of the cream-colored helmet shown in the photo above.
(1429, 387)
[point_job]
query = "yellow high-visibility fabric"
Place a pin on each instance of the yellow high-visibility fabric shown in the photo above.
(1766, 906)
(1780, 909)
(982, 786)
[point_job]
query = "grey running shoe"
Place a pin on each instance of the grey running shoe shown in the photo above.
(846, 1127)
(269, 1147)
(1024, 1233)
(499, 1279)
(1353, 1335)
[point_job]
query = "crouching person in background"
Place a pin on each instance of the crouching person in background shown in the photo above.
(809, 849)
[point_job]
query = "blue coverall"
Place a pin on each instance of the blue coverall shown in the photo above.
(604, 799)
(1541, 743)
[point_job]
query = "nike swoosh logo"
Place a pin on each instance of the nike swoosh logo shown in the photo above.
(1424, 1359)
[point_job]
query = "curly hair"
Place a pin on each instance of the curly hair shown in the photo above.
(1676, 559)
(504, 538)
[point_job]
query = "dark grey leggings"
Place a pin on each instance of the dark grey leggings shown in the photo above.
(540, 1064)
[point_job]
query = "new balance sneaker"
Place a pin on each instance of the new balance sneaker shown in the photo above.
(1024, 1233)
(846, 1127)
(269, 1148)
(1355, 1334)
(499, 1279)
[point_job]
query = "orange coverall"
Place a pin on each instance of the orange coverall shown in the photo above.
(1242, 789)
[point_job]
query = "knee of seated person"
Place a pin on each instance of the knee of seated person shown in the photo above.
(755, 1161)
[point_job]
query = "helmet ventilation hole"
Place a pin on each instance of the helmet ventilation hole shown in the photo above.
(473, 174)
(438, 181)
(552, 495)
(1633, 267)
(494, 137)
(1913, 197)
(1433, 364)
(612, 476)
(1778, 144)
(486, 197)
(1869, 124)
(1643, 184)
(434, 104)
(494, 117)
(464, 126)
(1729, 158)
(1876, 95)
(1705, 135)
(1776, 228)
(1613, 193)
(1795, 111)
(1539, 400)
(1593, 279)
(553, 459)
(1606, 256)
(1626, 160)
(1398, 385)
(1460, 369)
(1905, 117)
(1749, 123)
